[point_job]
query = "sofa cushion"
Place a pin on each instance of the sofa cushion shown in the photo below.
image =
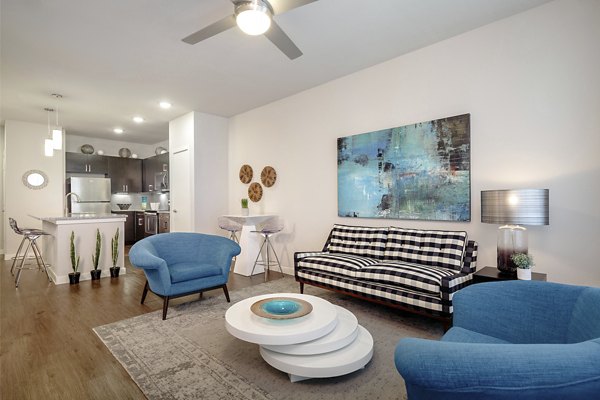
(420, 278)
(187, 271)
(358, 240)
(339, 264)
(442, 249)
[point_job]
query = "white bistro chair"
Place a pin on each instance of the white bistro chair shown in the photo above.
(29, 235)
(233, 227)
(268, 228)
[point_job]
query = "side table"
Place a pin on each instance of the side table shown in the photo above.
(492, 274)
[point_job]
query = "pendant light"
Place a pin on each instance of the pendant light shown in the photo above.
(57, 132)
(48, 143)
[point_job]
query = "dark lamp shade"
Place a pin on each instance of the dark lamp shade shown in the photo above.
(515, 207)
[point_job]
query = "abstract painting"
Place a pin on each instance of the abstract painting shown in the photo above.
(420, 171)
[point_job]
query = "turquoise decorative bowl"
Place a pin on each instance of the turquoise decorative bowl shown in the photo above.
(281, 308)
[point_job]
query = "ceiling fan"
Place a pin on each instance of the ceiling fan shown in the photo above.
(255, 17)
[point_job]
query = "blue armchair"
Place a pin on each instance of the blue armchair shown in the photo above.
(510, 340)
(178, 264)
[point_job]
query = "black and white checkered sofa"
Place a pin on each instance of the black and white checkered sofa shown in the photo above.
(411, 269)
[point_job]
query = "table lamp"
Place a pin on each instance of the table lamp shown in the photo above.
(511, 209)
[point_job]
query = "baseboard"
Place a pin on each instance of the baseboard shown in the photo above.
(288, 270)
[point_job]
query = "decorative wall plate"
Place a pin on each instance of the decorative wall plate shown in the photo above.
(281, 308)
(87, 149)
(246, 173)
(255, 192)
(268, 176)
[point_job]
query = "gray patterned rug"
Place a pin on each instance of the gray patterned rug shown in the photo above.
(192, 356)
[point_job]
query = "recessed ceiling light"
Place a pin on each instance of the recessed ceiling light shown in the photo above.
(118, 130)
(165, 104)
(138, 120)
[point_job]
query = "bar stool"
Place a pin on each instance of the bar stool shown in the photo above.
(269, 228)
(231, 226)
(29, 235)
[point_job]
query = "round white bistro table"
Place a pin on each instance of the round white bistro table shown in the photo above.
(249, 242)
(325, 343)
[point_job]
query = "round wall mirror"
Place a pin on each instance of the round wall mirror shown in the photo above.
(35, 179)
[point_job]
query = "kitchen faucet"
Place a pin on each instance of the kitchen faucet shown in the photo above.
(77, 199)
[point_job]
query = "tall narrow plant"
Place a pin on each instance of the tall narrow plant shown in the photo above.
(114, 244)
(74, 256)
(96, 256)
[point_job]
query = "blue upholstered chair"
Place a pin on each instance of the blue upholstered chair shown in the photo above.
(180, 263)
(510, 340)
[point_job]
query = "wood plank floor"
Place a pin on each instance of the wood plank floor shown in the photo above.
(47, 347)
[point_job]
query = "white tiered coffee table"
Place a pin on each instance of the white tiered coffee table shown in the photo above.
(325, 343)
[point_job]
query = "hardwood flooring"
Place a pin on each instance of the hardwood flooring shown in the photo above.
(47, 347)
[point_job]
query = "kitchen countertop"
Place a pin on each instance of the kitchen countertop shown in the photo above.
(78, 217)
(140, 210)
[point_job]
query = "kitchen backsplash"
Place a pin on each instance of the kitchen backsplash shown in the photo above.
(135, 199)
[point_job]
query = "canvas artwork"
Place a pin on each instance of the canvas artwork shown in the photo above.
(419, 171)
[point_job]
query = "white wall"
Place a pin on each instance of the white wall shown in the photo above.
(2, 188)
(206, 137)
(532, 87)
(112, 147)
(210, 170)
(24, 150)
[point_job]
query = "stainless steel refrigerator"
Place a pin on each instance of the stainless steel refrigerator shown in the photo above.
(91, 195)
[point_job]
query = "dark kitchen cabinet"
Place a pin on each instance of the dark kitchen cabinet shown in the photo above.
(139, 225)
(129, 235)
(86, 163)
(125, 174)
(152, 166)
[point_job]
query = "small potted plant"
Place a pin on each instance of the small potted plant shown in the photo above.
(245, 210)
(74, 276)
(96, 257)
(114, 247)
(524, 263)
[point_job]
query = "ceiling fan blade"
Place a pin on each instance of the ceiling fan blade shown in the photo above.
(278, 37)
(281, 6)
(211, 30)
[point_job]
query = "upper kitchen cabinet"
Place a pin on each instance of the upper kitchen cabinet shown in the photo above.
(125, 174)
(155, 176)
(86, 163)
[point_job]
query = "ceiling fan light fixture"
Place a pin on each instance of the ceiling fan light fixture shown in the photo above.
(253, 17)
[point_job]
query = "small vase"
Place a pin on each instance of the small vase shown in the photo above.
(245, 212)
(524, 274)
(114, 272)
(74, 277)
(95, 274)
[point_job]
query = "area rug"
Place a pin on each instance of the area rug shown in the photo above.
(192, 356)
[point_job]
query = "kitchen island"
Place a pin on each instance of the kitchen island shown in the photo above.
(57, 245)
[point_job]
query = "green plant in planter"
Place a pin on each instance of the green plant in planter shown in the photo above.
(96, 255)
(74, 256)
(244, 203)
(114, 245)
(114, 252)
(522, 260)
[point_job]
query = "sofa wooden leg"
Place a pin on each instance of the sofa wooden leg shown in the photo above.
(447, 324)
(200, 297)
(144, 293)
(165, 306)
(226, 293)
(301, 287)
